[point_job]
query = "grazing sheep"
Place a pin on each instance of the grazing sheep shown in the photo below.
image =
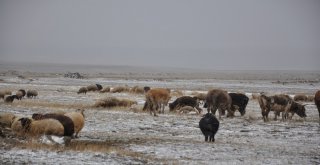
(185, 101)
(114, 102)
(64, 120)
(83, 90)
(92, 87)
(20, 94)
(156, 99)
(219, 99)
(6, 119)
(99, 87)
(39, 127)
(240, 101)
(300, 97)
(187, 109)
(9, 99)
(105, 90)
(4, 93)
(78, 120)
(137, 90)
(32, 93)
(209, 126)
(119, 89)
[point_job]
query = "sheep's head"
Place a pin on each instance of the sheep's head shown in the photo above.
(37, 116)
(25, 122)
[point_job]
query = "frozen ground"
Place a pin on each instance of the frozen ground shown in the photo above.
(123, 136)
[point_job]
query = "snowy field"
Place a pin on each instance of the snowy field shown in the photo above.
(125, 136)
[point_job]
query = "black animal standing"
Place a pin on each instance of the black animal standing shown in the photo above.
(209, 126)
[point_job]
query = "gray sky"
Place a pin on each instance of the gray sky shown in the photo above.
(208, 34)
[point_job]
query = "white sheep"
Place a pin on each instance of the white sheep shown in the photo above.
(78, 120)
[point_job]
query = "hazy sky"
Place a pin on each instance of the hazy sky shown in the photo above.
(225, 34)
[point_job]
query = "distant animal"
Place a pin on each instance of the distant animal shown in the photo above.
(185, 101)
(20, 94)
(99, 87)
(239, 100)
(265, 105)
(78, 120)
(64, 120)
(317, 101)
(209, 126)
(156, 99)
(6, 119)
(32, 93)
(300, 97)
(9, 98)
(94, 87)
(219, 99)
(83, 90)
(5, 92)
(105, 89)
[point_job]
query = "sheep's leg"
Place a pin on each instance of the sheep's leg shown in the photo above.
(206, 138)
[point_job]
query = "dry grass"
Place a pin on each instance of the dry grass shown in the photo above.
(137, 90)
(110, 102)
(120, 89)
(51, 105)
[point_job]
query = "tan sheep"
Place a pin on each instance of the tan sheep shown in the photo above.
(114, 102)
(92, 87)
(35, 128)
(5, 92)
(78, 120)
(136, 90)
(105, 90)
(6, 119)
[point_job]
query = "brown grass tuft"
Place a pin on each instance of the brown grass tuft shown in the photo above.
(110, 102)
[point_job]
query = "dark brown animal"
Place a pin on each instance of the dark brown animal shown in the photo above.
(156, 99)
(185, 101)
(209, 126)
(219, 99)
(317, 101)
(239, 100)
(64, 120)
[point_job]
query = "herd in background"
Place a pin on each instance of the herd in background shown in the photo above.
(156, 99)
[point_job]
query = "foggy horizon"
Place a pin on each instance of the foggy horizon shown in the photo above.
(209, 35)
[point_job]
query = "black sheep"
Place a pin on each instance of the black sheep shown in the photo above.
(209, 126)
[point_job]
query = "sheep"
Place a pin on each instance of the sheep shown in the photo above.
(39, 127)
(20, 94)
(32, 93)
(137, 90)
(114, 102)
(6, 119)
(300, 97)
(119, 89)
(83, 90)
(9, 98)
(187, 109)
(105, 89)
(64, 120)
(92, 87)
(99, 87)
(4, 93)
(78, 120)
(219, 99)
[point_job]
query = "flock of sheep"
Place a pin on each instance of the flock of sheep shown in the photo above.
(156, 99)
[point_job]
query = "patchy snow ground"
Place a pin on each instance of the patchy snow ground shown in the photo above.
(121, 136)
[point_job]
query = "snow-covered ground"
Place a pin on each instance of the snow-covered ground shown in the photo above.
(123, 136)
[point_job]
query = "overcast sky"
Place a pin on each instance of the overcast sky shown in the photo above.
(208, 34)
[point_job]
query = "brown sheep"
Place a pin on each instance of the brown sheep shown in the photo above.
(83, 90)
(156, 99)
(78, 120)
